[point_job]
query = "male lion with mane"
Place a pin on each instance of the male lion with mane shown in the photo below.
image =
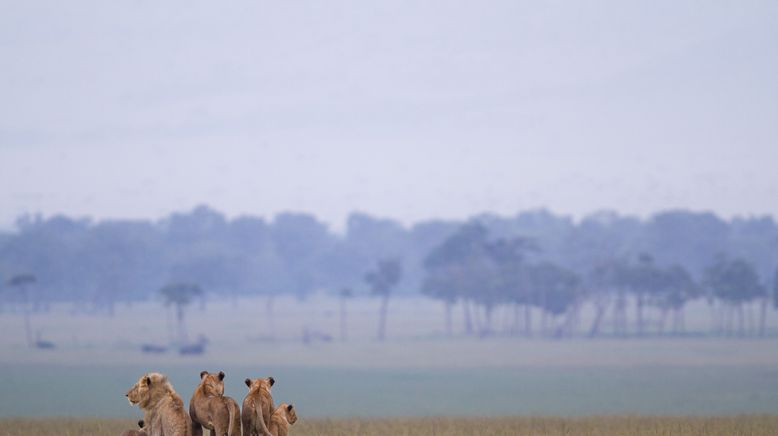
(163, 410)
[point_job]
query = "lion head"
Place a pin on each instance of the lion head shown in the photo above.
(146, 390)
(260, 384)
(291, 414)
(212, 384)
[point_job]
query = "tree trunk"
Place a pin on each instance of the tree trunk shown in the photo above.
(763, 316)
(601, 307)
(741, 320)
(449, 329)
(382, 318)
(515, 327)
(639, 314)
(750, 327)
(468, 321)
(26, 314)
(477, 318)
(270, 318)
(682, 319)
(171, 334)
(715, 319)
(27, 328)
(342, 319)
(181, 328)
(676, 322)
(487, 328)
(527, 320)
(662, 320)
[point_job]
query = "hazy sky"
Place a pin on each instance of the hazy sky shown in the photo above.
(404, 109)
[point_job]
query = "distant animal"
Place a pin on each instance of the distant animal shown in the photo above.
(140, 432)
(163, 410)
(43, 344)
(209, 407)
(310, 336)
(284, 416)
(194, 349)
(153, 349)
(257, 407)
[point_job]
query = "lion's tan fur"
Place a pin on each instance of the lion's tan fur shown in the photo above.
(209, 407)
(163, 410)
(141, 432)
(257, 407)
(284, 416)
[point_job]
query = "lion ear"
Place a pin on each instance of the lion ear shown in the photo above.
(248, 382)
(147, 381)
(272, 381)
(221, 375)
(290, 407)
(140, 423)
(203, 374)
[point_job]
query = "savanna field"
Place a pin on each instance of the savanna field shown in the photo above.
(413, 384)
(760, 425)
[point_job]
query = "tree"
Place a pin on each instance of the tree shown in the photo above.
(677, 288)
(556, 292)
(345, 294)
(180, 295)
(734, 282)
(382, 281)
(21, 282)
(450, 268)
(510, 279)
(644, 280)
(607, 283)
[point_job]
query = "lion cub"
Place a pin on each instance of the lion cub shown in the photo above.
(282, 418)
(209, 408)
(141, 432)
(257, 407)
(163, 410)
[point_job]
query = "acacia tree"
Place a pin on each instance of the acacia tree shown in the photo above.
(21, 282)
(644, 280)
(775, 289)
(450, 270)
(600, 283)
(509, 280)
(180, 295)
(608, 282)
(440, 287)
(556, 290)
(733, 282)
(382, 281)
(344, 294)
(678, 288)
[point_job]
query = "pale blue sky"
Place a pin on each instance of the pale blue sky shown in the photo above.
(410, 110)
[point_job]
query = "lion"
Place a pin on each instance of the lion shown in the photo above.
(257, 407)
(163, 410)
(141, 432)
(284, 416)
(209, 407)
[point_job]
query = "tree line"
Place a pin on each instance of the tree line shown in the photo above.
(637, 274)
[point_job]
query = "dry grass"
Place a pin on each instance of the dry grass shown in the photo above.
(591, 426)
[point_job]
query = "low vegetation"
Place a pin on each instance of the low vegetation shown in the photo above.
(545, 426)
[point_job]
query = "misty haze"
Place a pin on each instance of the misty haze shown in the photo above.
(434, 218)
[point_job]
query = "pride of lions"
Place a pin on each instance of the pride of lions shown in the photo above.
(164, 413)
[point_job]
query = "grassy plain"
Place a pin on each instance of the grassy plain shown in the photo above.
(417, 372)
(756, 425)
